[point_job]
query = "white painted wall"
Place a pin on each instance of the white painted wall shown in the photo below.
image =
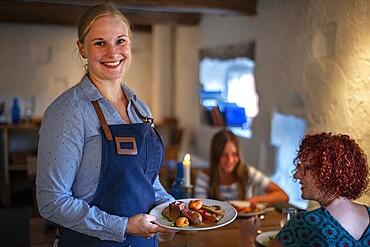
(38, 61)
(42, 61)
(163, 72)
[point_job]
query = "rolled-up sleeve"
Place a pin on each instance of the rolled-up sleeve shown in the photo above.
(61, 147)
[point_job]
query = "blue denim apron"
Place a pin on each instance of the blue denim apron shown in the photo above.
(131, 158)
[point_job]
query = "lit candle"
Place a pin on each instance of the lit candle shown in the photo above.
(186, 163)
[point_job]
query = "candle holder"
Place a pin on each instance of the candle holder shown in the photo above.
(188, 191)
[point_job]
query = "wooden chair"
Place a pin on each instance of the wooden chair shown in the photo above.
(31, 174)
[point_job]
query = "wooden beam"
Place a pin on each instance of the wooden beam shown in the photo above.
(142, 13)
(28, 12)
(220, 7)
(223, 7)
(63, 14)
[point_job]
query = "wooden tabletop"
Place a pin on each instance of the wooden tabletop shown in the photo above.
(224, 236)
(40, 234)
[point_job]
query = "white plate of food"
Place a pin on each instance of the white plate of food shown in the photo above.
(244, 208)
(228, 216)
(265, 238)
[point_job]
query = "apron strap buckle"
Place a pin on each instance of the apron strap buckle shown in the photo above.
(130, 141)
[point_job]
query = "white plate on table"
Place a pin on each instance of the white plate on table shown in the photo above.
(245, 204)
(230, 215)
(265, 238)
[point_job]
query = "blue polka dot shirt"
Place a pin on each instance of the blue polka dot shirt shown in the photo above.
(69, 160)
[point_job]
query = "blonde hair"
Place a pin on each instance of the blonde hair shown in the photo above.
(95, 12)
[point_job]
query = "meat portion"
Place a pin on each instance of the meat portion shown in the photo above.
(177, 206)
(193, 216)
(211, 217)
(173, 215)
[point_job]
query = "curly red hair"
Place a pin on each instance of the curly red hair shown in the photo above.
(339, 165)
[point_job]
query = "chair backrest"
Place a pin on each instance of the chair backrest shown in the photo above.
(31, 167)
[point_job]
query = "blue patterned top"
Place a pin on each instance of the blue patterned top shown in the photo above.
(318, 228)
(69, 161)
(256, 179)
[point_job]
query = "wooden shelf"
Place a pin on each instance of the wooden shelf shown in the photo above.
(14, 138)
(30, 126)
(18, 167)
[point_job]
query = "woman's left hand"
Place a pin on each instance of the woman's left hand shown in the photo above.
(143, 225)
(248, 231)
(253, 203)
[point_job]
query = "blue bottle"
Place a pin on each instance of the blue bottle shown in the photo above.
(16, 112)
(178, 190)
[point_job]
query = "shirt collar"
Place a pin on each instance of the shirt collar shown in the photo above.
(93, 94)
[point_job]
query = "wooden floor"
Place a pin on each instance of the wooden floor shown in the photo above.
(14, 219)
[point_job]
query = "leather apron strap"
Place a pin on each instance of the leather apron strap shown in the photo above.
(145, 119)
(104, 124)
(102, 120)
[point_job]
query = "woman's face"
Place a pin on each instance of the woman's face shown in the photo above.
(107, 48)
(308, 186)
(229, 158)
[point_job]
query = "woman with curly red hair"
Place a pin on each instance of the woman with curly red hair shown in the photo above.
(332, 170)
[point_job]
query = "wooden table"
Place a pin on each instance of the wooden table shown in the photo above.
(224, 236)
(41, 232)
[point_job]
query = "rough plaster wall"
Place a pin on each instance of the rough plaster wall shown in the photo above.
(312, 60)
(42, 61)
(331, 76)
(279, 58)
(319, 50)
(139, 76)
(186, 78)
(37, 61)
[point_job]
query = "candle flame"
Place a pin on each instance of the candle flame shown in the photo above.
(187, 157)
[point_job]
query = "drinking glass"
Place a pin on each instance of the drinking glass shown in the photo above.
(28, 105)
(286, 215)
(165, 236)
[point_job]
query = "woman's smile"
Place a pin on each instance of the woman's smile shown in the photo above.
(112, 64)
(107, 48)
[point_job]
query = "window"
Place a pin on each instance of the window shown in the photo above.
(228, 96)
